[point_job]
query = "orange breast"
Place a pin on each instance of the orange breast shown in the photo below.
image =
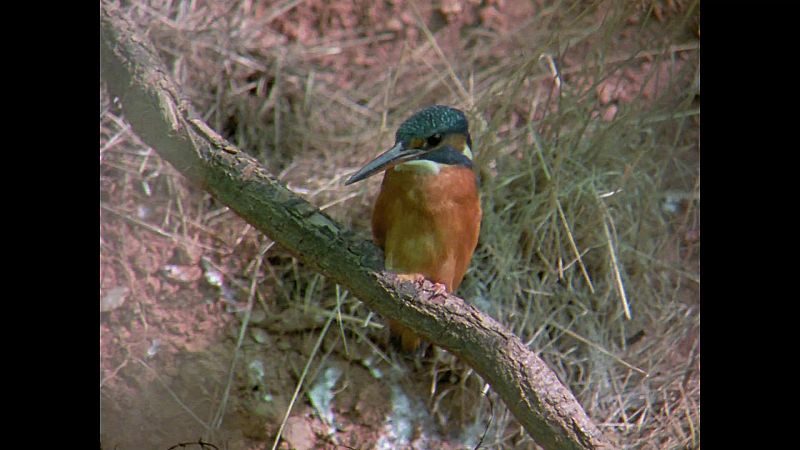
(428, 224)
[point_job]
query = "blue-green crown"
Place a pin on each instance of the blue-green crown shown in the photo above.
(431, 120)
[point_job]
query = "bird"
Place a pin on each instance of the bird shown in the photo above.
(427, 215)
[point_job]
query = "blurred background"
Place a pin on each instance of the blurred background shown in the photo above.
(585, 119)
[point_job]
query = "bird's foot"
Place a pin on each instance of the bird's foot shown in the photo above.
(439, 289)
(419, 281)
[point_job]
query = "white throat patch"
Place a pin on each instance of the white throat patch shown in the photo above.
(419, 166)
(424, 166)
(467, 151)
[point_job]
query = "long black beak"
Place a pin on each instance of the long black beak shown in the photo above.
(394, 155)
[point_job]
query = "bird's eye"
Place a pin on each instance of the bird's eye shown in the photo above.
(434, 140)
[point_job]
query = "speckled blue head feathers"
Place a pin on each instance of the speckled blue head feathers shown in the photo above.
(431, 120)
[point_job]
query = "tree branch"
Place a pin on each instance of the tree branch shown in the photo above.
(531, 391)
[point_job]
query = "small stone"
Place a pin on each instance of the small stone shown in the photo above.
(182, 274)
(114, 298)
(298, 434)
(259, 335)
(609, 113)
(605, 92)
(394, 24)
(258, 316)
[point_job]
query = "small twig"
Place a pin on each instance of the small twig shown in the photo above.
(374, 348)
(339, 298)
(199, 442)
(281, 9)
(114, 372)
(671, 116)
(464, 94)
(217, 422)
(174, 396)
(574, 247)
(599, 348)
(343, 317)
(551, 64)
(615, 266)
(484, 392)
(156, 229)
(302, 379)
(114, 140)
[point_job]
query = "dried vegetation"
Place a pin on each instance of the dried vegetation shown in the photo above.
(585, 117)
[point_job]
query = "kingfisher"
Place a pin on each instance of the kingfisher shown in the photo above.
(427, 216)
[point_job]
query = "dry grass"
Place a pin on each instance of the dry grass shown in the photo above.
(585, 117)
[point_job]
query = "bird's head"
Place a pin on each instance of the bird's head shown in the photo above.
(435, 136)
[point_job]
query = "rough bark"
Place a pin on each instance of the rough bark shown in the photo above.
(531, 391)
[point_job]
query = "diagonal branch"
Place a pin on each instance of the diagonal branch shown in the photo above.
(531, 391)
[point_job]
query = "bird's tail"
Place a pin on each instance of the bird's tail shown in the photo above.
(409, 342)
